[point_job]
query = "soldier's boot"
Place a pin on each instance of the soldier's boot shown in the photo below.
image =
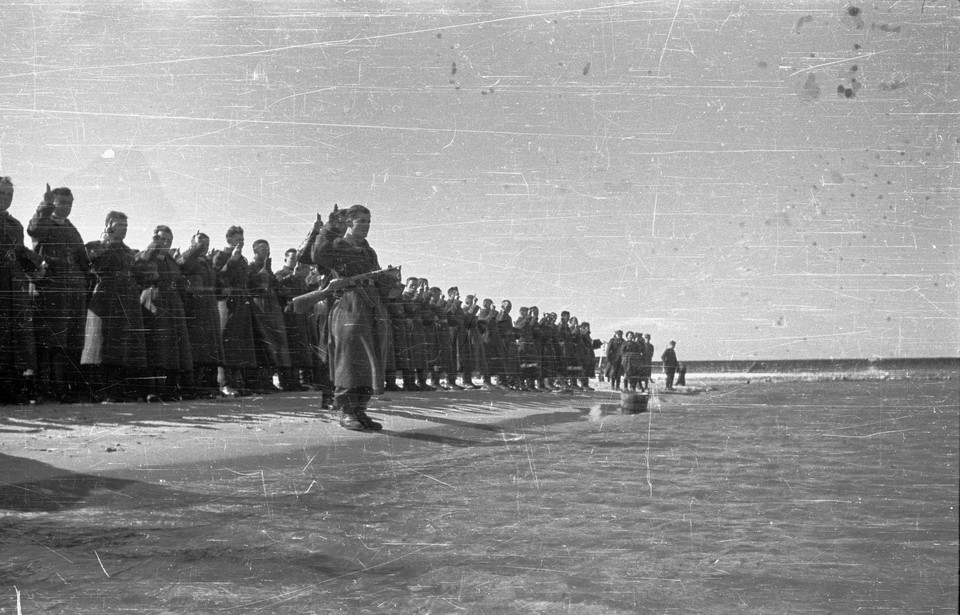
(348, 417)
(422, 381)
(368, 423)
(391, 382)
(409, 382)
(452, 383)
(326, 400)
(30, 393)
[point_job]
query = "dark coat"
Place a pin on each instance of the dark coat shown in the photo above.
(614, 367)
(548, 343)
(568, 357)
(399, 356)
(200, 307)
(115, 333)
(492, 342)
(647, 360)
(358, 323)
(631, 357)
(168, 341)
(528, 349)
(459, 342)
(62, 301)
(588, 360)
(236, 321)
(299, 339)
(269, 328)
(475, 346)
(669, 357)
(17, 346)
(508, 336)
(425, 320)
(446, 360)
(421, 348)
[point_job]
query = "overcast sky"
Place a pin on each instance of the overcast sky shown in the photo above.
(754, 179)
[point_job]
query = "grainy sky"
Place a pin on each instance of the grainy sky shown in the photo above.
(771, 179)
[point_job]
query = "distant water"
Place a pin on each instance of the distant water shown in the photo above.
(936, 366)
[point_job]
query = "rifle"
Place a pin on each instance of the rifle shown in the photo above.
(305, 302)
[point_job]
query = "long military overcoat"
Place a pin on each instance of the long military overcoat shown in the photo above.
(114, 333)
(358, 323)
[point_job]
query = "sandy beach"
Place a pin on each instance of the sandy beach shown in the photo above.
(730, 496)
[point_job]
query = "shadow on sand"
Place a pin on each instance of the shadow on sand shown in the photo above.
(41, 487)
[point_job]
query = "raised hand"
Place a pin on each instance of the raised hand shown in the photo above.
(237, 252)
(46, 206)
(337, 220)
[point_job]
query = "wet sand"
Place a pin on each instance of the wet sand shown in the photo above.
(763, 497)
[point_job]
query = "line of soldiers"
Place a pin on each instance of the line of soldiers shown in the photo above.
(101, 321)
(442, 342)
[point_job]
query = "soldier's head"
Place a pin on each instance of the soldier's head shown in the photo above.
(290, 258)
(506, 306)
(358, 221)
(487, 304)
(261, 250)
(115, 226)
(412, 285)
(629, 336)
(162, 237)
(564, 316)
(6, 193)
(646, 336)
(618, 334)
(673, 344)
(62, 203)
(453, 293)
(202, 240)
(524, 310)
(234, 236)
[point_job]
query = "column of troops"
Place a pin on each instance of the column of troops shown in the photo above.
(101, 321)
(440, 341)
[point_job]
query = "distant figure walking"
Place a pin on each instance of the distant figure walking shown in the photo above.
(670, 363)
